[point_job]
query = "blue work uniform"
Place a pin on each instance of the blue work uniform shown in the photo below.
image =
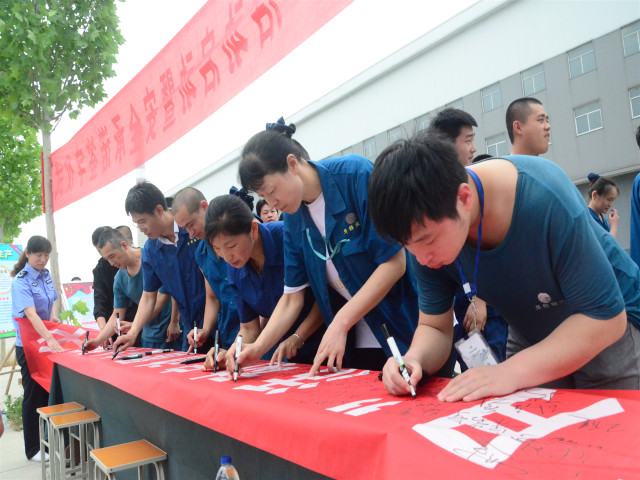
(31, 288)
(601, 219)
(176, 269)
(258, 294)
(345, 185)
(215, 271)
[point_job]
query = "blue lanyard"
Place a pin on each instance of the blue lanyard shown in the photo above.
(333, 251)
(470, 289)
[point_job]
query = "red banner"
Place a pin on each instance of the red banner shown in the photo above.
(224, 48)
(39, 355)
(345, 425)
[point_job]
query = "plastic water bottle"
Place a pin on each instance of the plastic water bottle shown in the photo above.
(227, 471)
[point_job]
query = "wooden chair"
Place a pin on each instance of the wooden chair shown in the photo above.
(43, 422)
(137, 454)
(77, 424)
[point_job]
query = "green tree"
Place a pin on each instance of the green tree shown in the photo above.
(20, 179)
(54, 58)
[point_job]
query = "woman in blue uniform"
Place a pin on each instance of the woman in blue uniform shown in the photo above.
(255, 257)
(331, 245)
(32, 297)
(602, 194)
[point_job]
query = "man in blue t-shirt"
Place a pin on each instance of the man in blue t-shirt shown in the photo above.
(127, 291)
(570, 294)
(168, 259)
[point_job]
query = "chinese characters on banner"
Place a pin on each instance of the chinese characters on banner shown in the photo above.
(9, 255)
(345, 425)
(226, 46)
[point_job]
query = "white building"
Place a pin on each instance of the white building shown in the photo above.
(580, 58)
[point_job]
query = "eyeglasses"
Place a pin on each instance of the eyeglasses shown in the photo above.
(140, 223)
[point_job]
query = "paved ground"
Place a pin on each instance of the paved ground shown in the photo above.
(13, 463)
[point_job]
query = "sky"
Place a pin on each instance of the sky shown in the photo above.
(360, 36)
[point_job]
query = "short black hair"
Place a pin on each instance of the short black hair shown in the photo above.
(95, 236)
(519, 110)
(638, 136)
(412, 180)
(261, 203)
(112, 236)
(188, 197)
(126, 232)
(229, 215)
(143, 198)
(449, 122)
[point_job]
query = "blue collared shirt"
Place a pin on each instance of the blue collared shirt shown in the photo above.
(215, 271)
(175, 268)
(257, 295)
(601, 219)
(31, 288)
(345, 185)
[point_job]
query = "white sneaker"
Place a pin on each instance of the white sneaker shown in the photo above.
(38, 457)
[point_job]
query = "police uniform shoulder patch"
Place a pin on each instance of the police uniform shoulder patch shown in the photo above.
(22, 274)
(35, 284)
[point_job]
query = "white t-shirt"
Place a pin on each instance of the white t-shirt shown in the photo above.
(364, 336)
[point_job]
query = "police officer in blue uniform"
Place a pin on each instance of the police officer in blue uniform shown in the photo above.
(168, 259)
(32, 297)
(188, 208)
(331, 244)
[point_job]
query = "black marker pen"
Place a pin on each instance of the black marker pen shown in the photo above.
(396, 354)
(116, 352)
(216, 347)
(238, 349)
(86, 337)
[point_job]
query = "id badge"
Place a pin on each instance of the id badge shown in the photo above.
(475, 350)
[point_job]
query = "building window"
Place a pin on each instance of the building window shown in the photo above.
(497, 145)
(533, 81)
(394, 135)
(634, 99)
(456, 104)
(370, 148)
(491, 98)
(347, 151)
(588, 118)
(631, 39)
(581, 60)
(422, 123)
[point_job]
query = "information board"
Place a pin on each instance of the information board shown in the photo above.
(9, 255)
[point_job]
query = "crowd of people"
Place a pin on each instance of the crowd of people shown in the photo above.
(497, 264)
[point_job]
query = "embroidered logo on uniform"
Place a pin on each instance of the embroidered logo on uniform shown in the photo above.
(353, 223)
(22, 274)
(35, 284)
